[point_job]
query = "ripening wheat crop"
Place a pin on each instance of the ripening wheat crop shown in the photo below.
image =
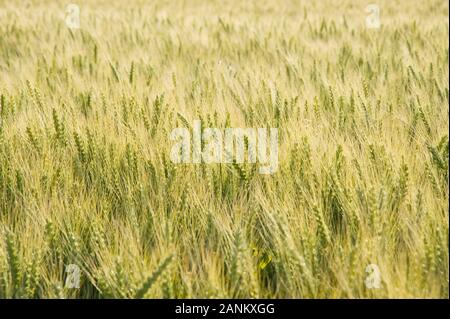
(86, 178)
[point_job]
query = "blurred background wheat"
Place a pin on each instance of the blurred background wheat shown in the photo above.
(86, 179)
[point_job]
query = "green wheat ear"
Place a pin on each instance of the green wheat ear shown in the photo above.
(59, 128)
(80, 147)
(33, 139)
(152, 279)
(13, 261)
(183, 120)
(132, 71)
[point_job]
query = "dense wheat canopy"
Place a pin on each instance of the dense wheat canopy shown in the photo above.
(86, 177)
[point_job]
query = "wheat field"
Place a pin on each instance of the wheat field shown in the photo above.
(86, 179)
